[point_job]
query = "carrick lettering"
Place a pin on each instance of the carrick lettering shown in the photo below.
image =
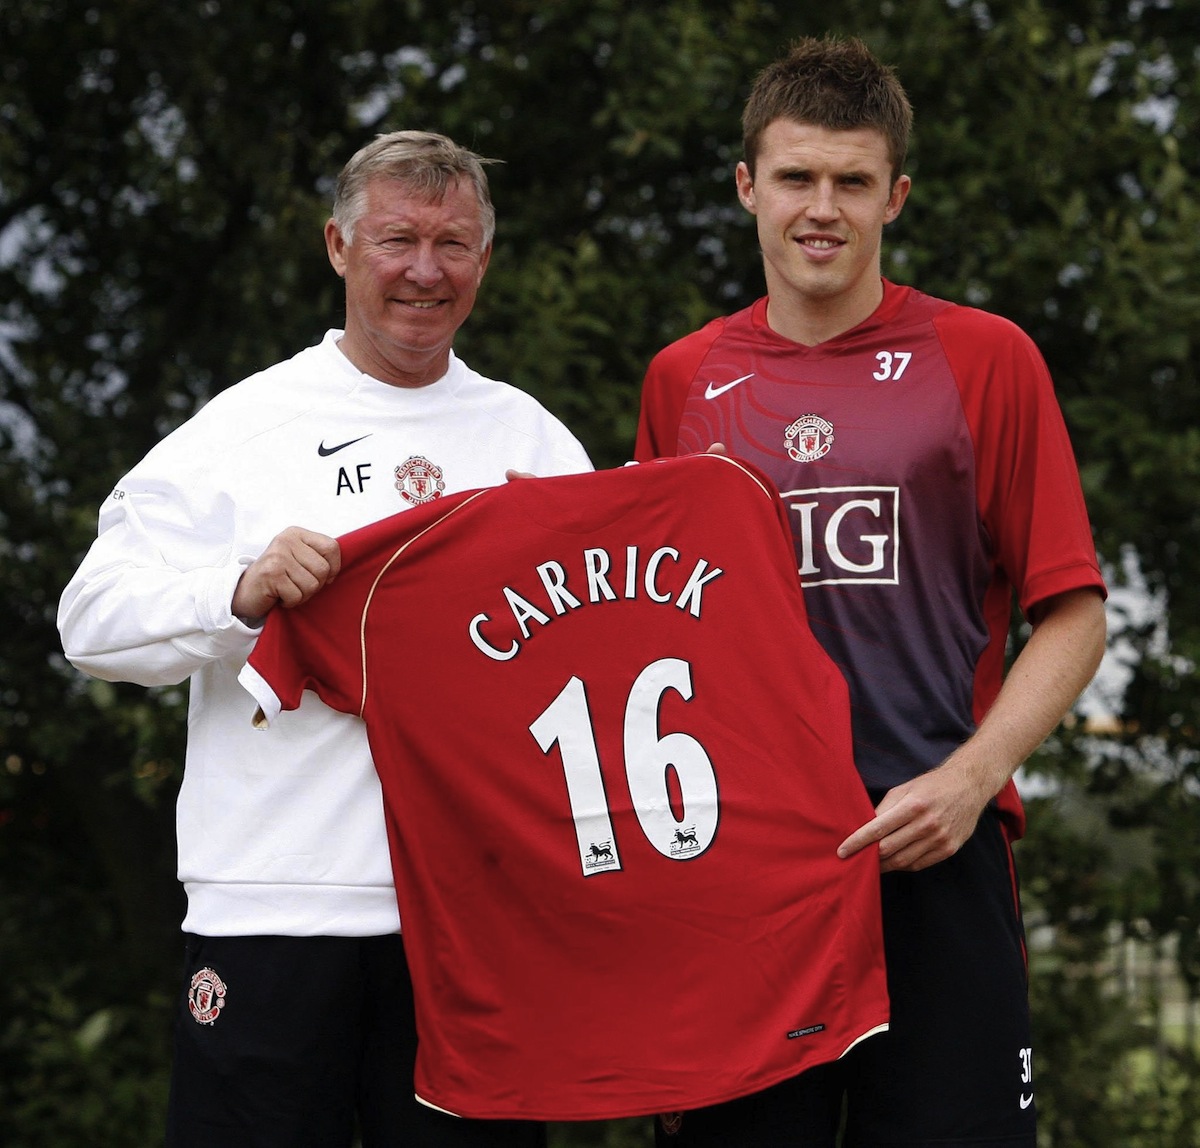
(597, 577)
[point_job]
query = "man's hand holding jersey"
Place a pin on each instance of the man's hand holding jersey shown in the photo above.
(295, 565)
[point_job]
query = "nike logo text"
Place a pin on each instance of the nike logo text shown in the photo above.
(712, 392)
(325, 451)
(1026, 1101)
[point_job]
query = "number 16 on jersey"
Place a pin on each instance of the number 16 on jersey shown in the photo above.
(649, 755)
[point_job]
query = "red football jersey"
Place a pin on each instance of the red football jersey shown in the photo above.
(616, 768)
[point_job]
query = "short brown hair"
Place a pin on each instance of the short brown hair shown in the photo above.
(424, 162)
(833, 83)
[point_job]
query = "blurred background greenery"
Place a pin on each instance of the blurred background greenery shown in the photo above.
(165, 171)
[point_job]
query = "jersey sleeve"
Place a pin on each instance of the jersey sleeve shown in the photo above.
(665, 391)
(321, 644)
(1028, 489)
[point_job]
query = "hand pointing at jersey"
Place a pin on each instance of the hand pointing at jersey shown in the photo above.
(921, 822)
(295, 565)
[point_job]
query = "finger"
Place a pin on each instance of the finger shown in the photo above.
(286, 578)
(296, 585)
(855, 843)
(310, 570)
(318, 553)
(309, 560)
(910, 860)
(873, 831)
(329, 549)
(891, 814)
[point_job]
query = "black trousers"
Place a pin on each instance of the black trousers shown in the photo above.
(300, 1042)
(955, 1067)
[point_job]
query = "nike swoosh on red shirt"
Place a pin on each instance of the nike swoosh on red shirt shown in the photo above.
(711, 392)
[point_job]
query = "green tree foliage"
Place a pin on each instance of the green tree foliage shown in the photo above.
(165, 171)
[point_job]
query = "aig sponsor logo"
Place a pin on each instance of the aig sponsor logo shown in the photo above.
(848, 535)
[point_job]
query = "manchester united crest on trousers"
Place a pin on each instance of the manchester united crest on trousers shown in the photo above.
(419, 480)
(206, 996)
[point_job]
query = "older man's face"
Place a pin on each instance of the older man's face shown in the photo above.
(412, 273)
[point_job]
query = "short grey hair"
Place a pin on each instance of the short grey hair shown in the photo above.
(426, 163)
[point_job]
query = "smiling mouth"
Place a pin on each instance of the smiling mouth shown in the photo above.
(421, 304)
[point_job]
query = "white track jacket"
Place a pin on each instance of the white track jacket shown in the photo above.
(282, 831)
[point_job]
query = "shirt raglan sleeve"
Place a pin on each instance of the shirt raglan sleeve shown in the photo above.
(1028, 485)
(664, 393)
(570, 457)
(150, 602)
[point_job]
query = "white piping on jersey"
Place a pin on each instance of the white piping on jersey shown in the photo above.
(769, 491)
(869, 1033)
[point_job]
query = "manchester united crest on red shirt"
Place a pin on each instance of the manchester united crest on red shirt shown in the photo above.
(419, 480)
(810, 437)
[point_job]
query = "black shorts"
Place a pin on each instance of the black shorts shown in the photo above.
(300, 1042)
(955, 1066)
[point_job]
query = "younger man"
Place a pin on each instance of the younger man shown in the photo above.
(921, 450)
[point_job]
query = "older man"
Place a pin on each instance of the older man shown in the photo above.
(295, 1017)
